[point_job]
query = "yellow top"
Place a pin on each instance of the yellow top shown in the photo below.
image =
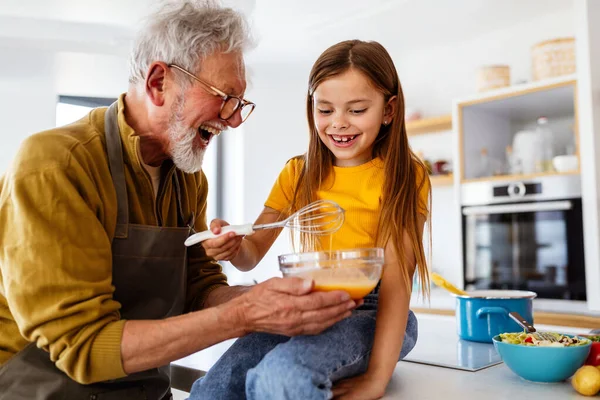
(58, 211)
(356, 189)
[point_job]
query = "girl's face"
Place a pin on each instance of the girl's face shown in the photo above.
(348, 113)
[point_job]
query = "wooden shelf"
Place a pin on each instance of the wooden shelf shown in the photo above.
(519, 90)
(517, 177)
(441, 180)
(429, 125)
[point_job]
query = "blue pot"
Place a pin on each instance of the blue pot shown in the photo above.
(483, 314)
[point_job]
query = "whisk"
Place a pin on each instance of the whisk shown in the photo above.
(321, 217)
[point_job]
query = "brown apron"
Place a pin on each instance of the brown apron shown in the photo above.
(149, 274)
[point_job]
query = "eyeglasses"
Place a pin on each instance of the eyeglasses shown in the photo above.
(231, 104)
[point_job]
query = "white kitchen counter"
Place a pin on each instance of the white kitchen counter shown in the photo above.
(424, 382)
(413, 380)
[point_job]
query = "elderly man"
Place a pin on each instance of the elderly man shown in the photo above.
(97, 293)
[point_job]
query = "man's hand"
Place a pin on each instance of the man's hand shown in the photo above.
(287, 307)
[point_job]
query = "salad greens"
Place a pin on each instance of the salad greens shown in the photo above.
(532, 339)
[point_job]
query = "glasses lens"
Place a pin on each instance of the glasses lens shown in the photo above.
(230, 107)
(247, 110)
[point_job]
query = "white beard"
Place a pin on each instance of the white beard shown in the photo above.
(184, 154)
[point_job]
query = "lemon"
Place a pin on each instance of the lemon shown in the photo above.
(587, 380)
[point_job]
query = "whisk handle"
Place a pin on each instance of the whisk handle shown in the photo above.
(246, 229)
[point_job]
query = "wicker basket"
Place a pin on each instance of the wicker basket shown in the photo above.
(553, 58)
(492, 77)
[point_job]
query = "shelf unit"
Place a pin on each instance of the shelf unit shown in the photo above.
(493, 113)
(429, 125)
(441, 180)
(442, 123)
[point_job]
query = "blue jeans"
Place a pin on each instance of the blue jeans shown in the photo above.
(263, 366)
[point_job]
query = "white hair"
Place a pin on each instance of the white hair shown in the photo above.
(184, 32)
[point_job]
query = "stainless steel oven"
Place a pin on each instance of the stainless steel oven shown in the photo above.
(525, 235)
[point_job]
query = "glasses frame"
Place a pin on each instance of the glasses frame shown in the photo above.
(219, 93)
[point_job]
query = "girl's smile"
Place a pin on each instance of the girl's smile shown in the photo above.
(343, 141)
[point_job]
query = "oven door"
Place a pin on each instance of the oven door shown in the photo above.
(535, 246)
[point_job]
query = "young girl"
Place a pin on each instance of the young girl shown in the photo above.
(359, 157)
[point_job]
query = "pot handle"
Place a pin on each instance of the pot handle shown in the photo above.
(483, 311)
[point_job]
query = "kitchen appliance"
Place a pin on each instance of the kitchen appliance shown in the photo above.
(483, 314)
(525, 235)
(439, 346)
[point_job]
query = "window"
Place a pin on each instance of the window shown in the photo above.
(71, 108)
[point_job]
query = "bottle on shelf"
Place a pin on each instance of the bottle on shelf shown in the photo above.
(513, 163)
(545, 151)
(484, 164)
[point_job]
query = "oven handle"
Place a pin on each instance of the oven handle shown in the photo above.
(518, 208)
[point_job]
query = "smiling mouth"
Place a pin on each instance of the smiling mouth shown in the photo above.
(206, 132)
(343, 140)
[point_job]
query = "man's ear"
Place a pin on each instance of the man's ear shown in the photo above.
(156, 82)
(390, 109)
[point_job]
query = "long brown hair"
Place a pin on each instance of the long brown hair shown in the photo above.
(400, 193)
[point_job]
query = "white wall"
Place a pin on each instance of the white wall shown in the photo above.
(31, 82)
(431, 78)
(91, 75)
(27, 98)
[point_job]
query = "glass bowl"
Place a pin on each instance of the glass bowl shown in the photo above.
(356, 271)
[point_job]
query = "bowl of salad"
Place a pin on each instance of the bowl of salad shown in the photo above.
(538, 360)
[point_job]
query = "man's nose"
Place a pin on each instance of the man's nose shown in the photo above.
(235, 120)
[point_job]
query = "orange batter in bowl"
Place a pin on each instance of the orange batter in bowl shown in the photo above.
(351, 280)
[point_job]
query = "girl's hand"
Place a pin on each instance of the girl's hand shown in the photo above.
(362, 387)
(224, 247)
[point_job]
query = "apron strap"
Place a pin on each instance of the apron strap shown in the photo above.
(114, 149)
(180, 216)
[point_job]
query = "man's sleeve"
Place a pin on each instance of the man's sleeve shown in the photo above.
(204, 273)
(56, 269)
